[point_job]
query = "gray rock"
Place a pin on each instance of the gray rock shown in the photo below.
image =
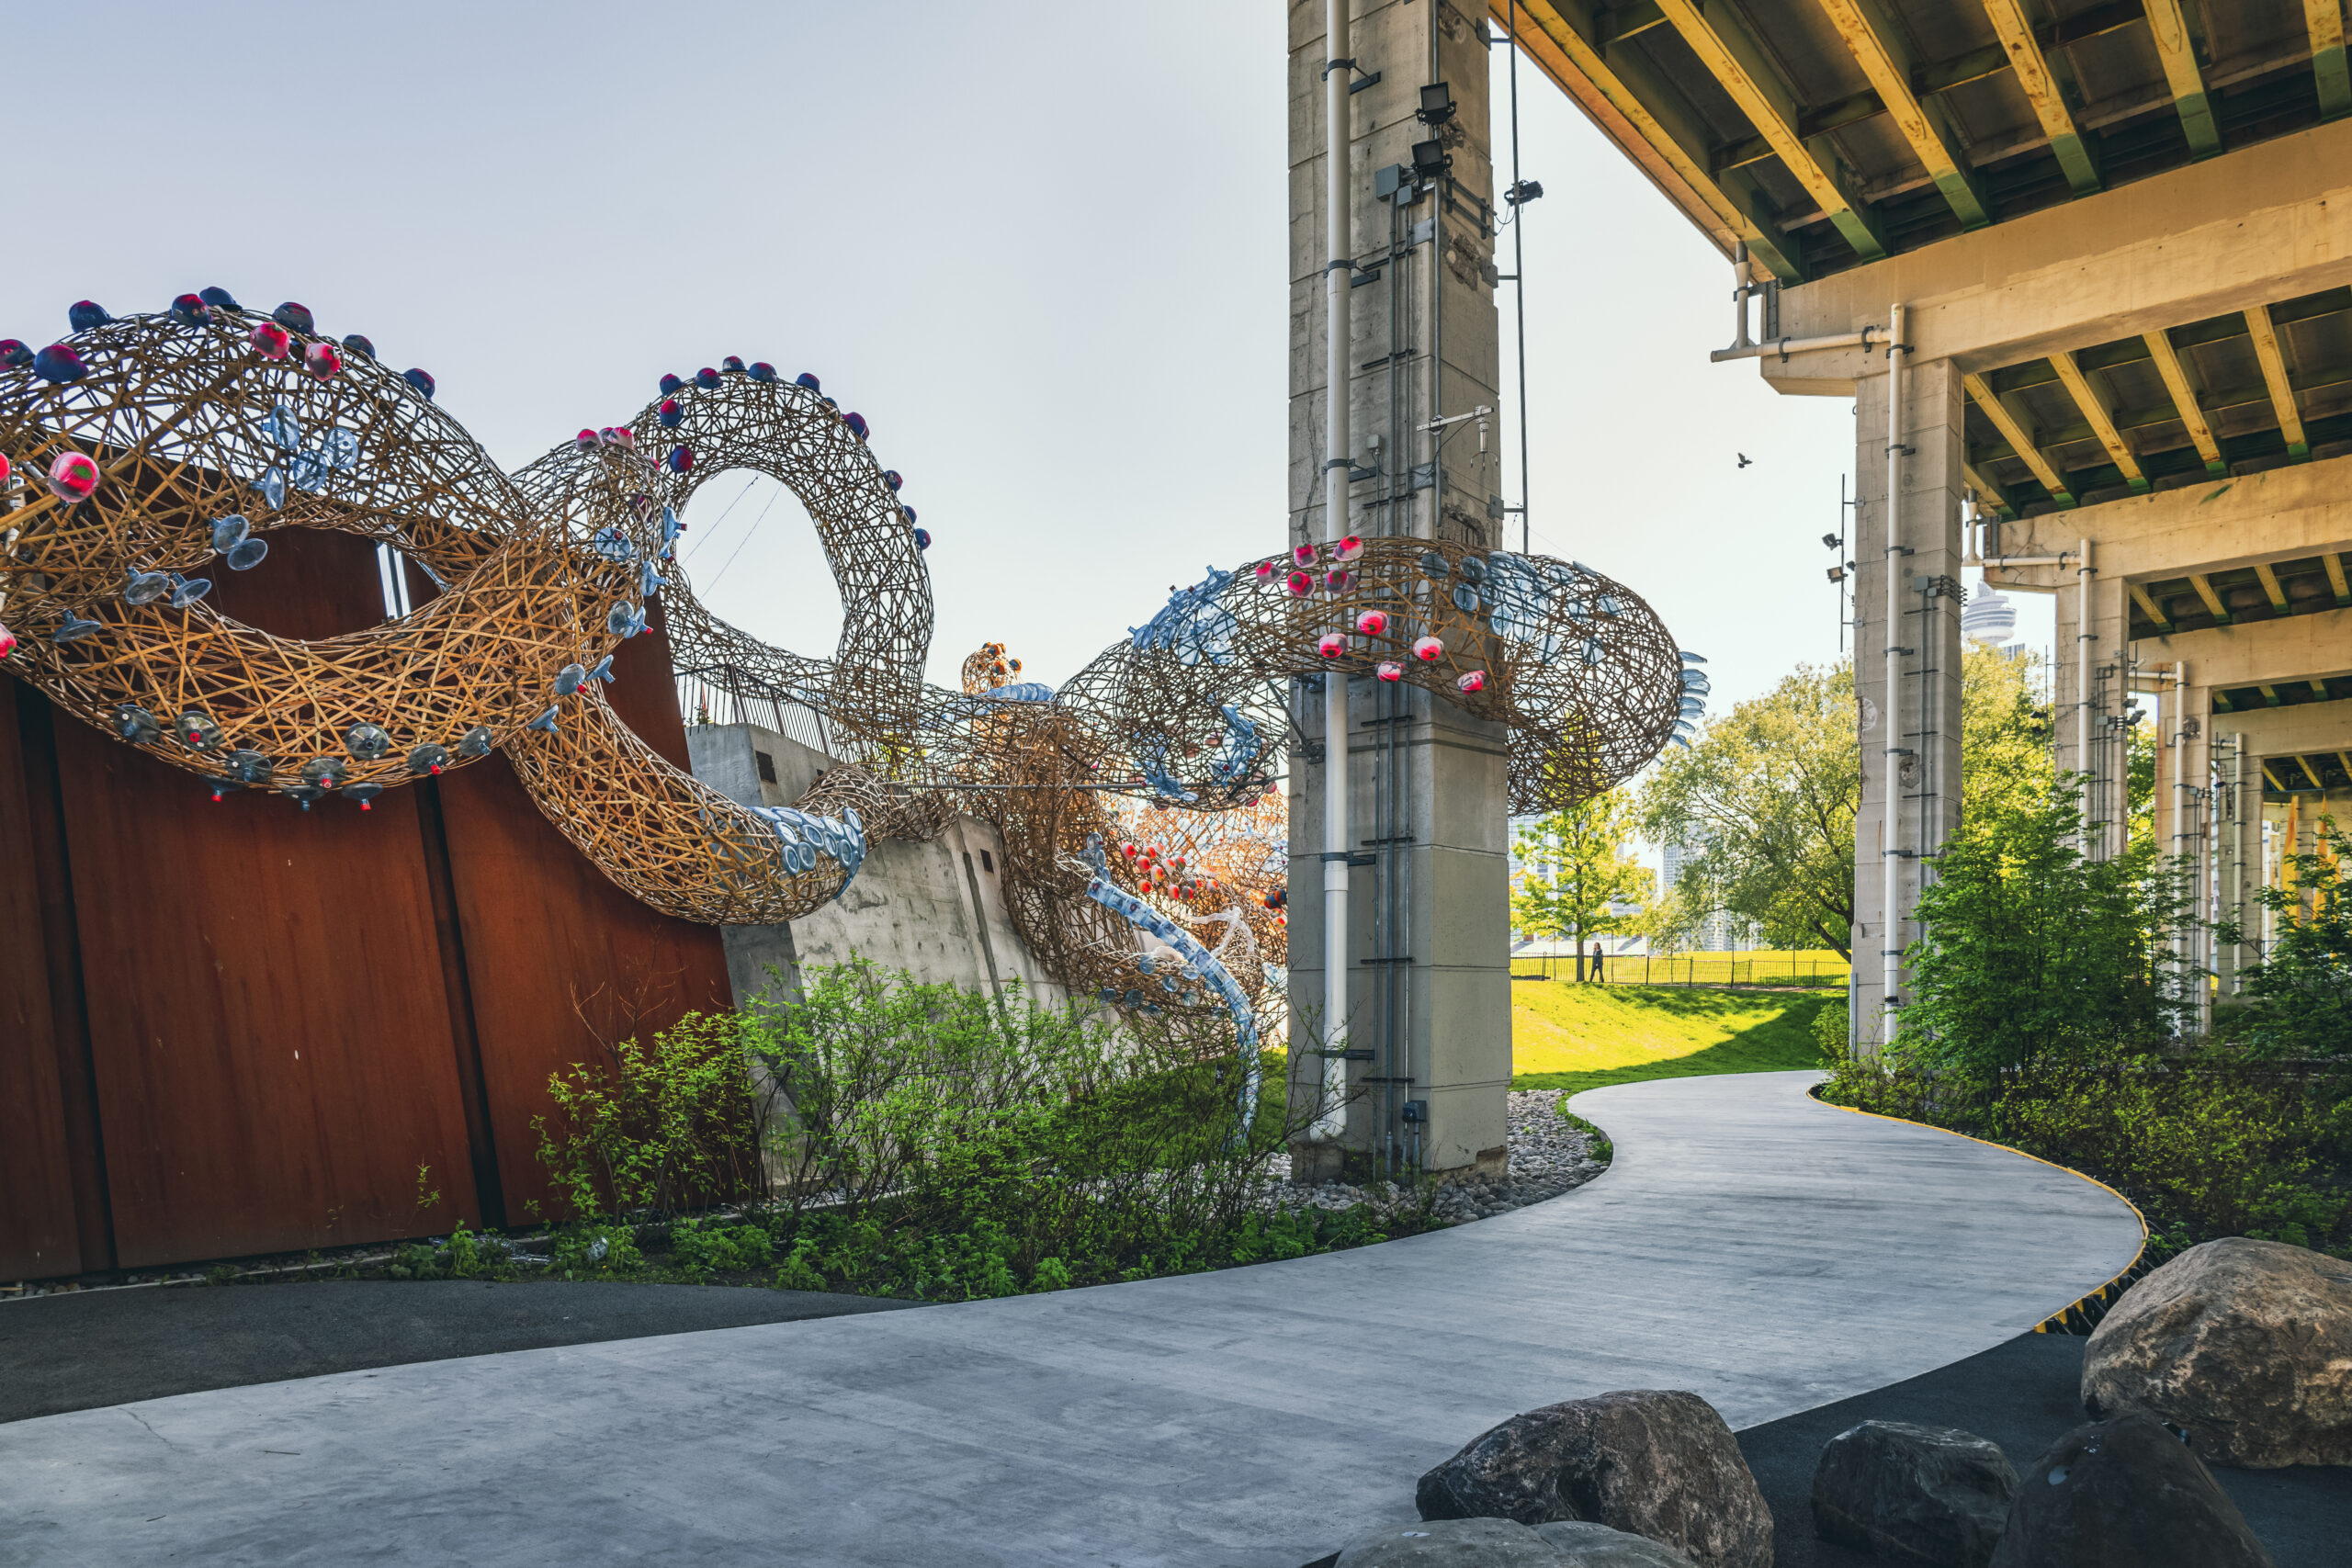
(1451, 1543)
(1660, 1464)
(1926, 1494)
(2245, 1345)
(2124, 1493)
(1584, 1545)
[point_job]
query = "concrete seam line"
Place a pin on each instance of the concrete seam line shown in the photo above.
(2056, 1322)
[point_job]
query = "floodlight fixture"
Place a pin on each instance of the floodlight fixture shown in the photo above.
(1523, 191)
(1836, 574)
(1831, 541)
(1431, 160)
(1437, 104)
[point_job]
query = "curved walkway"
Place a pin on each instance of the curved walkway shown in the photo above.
(1768, 1252)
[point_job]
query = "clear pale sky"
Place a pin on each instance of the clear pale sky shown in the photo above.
(1041, 249)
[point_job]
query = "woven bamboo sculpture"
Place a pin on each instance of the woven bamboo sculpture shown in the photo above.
(146, 451)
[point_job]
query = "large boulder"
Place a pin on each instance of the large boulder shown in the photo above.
(2246, 1346)
(2124, 1493)
(1657, 1463)
(1583, 1545)
(1924, 1494)
(1451, 1543)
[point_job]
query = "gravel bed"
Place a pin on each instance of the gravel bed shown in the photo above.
(1547, 1156)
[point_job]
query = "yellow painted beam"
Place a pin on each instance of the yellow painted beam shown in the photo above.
(1988, 488)
(2324, 20)
(1878, 48)
(2309, 772)
(2015, 434)
(2274, 376)
(2319, 691)
(2204, 586)
(2176, 47)
(2270, 778)
(1738, 64)
(2041, 88)
(2184, 400)
(2270, 694)
(1649, 121)
(2150, 608)
(2335, 564)
(2102, 424)
(2344, 761)
(2270, 580)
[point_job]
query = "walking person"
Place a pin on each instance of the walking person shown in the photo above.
(1596, 961)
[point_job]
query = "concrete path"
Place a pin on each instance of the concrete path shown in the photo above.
(1768, 1252)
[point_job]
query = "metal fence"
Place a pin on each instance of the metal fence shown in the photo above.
(1779, 970)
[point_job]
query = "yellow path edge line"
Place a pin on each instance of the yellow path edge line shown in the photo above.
(2104, 1295)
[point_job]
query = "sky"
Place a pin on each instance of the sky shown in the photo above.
(1045, 261)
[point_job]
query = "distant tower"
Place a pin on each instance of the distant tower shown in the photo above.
(1990, 617)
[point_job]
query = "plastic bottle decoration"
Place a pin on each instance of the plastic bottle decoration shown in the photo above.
(85, 314)
(74, 629)
(1471, 681)
(58, 364)
(733, 362)
(909, 512)
(570, 679)
(218, 299)
(857, 423)
(922, 538)
(1302, 554)
(1339, 581)
(363, 793)
(137, 726)
(707, 378)
(321, 360)
(190, 311)
(681, 460)
(429, 760)
(1473, 570)
(6, 469)
(1371, 623)
(7, 642)
(1429, 649)
(247, 554)
(187, 591)
(763, 371)
(890, 477)
(670, 414)
(294, 317)
(1348, 548)
(807, 378)
(1390, 669)
(670, 385)
(359, 345)
(476, 743)
(420, 380)
(73, 477)
(1466, 598)
(585, 441)
(546, 722)
(14, 354)
(1266, 570)
(146, 587)
(1331, 645)
(270, 340)
(366, 741)
(1302, 583)
(604, 671)
(250, 767)
(325, 772)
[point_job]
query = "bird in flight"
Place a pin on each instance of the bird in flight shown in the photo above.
(1745, 460)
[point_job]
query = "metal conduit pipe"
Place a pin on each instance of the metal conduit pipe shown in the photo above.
(1787, 345)
(2084, 572)
(1890, 791)
(1339, 250)
(2183, 936)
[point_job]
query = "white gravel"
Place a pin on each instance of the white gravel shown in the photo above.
(1547, 1156)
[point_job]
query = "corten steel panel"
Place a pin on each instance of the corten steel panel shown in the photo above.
(558, 959)
(268, 1015)
(39, 1236)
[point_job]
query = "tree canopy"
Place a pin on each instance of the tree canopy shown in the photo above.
(1578, 871)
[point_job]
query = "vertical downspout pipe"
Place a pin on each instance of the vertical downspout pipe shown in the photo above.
(2084, 572)
(1889, 832)
(1332, 1120)
(2184, 937)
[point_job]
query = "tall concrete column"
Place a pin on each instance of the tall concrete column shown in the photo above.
(2091, 736)
(1429, 1022)
(2237, 828)
(1913, 730)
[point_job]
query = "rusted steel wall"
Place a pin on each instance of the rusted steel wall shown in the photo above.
(239, 1027)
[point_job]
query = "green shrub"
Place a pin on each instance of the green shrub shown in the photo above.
(595, 1250)
(657, 1129)
(2298, 1000)
(720, 1249)
(1832, 1027)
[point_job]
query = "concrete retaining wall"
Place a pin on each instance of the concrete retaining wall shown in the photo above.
(911, 905)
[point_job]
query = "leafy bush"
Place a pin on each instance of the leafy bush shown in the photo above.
(2213, 1147)
(1832, 1028)
(657, 1129)
(720, 1249)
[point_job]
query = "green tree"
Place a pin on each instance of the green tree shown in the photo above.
(2299, 999)
(2006, 764)
(2034, 953)
(1765, 799)
(1577, 871)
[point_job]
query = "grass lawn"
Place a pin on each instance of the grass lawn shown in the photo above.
(1576, 1037)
